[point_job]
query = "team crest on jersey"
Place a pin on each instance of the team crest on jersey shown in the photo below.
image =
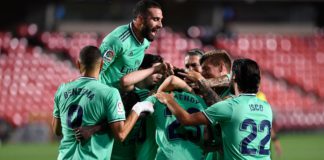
(137, 62)
(108, 56)
(120, 107)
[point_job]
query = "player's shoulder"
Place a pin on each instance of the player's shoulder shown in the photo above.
(121, 33)
(229, 101)
(103, 87)
(65, 85)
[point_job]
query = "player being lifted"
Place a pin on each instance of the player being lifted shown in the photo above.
(245, 120)
(85, 101)
(123, 48)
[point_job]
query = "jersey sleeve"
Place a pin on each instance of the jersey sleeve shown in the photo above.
(110, 48)
(56, 110)
(221, 111)
(115, 107)
(151, 99)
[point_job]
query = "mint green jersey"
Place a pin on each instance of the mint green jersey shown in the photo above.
(174, 140)
(122, 53)
(146, 146)
(246, 126)
(140, 142)
(86, 102)
(216, 129)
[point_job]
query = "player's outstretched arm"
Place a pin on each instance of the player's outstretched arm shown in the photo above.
(173, 82)
(221, 81)
(208, 94)
(182, 115)
(121, 129)
(56, 126)
(128, 81)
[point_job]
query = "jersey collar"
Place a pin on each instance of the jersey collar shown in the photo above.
(87, 78)
(131, 28)
(247, 94)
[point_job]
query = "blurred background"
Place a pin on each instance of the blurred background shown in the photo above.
(40, 41)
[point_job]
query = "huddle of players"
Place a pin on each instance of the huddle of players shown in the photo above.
(236, 128)
(161, 135)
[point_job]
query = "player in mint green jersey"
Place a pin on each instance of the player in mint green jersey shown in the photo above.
(174, 140)
(213, 81)
(140, 143)
(245, 120)
(123, 48)
(85, 101)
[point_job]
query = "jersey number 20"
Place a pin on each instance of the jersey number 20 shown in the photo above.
(187, 134)
(244, 143)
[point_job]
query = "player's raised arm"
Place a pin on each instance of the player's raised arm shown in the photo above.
(128, 81)
(173, 82)
(221, 81)
(121, 129)
(182, 115)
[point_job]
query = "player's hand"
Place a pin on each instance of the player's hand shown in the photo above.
(193, 76)
(164, 68)
(83, 132)
(144, 106)
(164, 98)
(278, 148)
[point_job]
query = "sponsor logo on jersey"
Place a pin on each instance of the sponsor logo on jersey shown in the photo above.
(108, 56)
(120, 107)
(130, 53)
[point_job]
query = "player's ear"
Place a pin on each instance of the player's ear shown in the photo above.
(101, 64)
(140, 18)
(222, 67)
(78, 63)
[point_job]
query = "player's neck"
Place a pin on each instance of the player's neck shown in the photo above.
(136, 29)
(90, 74)
(236, 90)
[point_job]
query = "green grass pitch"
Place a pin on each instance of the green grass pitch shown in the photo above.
(306, 146)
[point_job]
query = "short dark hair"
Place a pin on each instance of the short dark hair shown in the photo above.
(150, 59)
(142, 7)
(247, 75)
(89, 56)
(216, 56)
(195, 52)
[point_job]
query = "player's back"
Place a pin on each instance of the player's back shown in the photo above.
(85, 102)
(246, 134)
(174, 140)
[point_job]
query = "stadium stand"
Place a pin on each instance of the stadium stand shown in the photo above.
(291, 66)
(29, 79)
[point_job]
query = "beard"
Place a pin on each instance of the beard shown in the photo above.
(147, 32)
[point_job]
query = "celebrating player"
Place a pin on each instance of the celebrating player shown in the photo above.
(245, 120)
(123, 48)
(85, 101)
